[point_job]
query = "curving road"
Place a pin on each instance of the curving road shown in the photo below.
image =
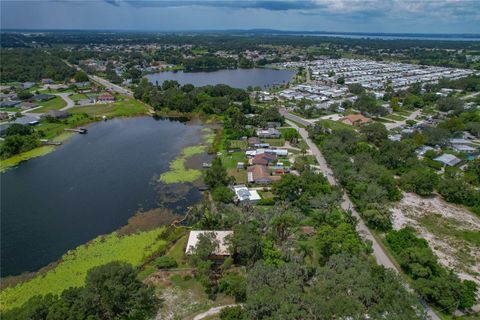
(110, 85)
(379, 253)
(66, 98)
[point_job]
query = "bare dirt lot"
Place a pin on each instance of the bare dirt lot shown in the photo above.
(452, 231)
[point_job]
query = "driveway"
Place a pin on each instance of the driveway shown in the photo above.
(213, 311)
(66, 98)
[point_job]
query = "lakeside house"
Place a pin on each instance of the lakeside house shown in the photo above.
(56, 114)
(221, 252)
(27, 105)
(355, 119)
(27, 85)
(47, 81)
(105, 98)
(245, 195)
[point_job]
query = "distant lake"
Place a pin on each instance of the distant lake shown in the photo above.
(89, 186)
(237, 78)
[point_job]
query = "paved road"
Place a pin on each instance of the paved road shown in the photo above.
(110, 85)
(66, 98)
(380, 255)
(397, 124)
(212, 311)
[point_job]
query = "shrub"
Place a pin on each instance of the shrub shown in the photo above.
(165, 262)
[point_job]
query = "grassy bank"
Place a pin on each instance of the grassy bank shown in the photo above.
(53, 104)
(71, 271)
(122, 108)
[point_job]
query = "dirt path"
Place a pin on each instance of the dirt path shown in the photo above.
(213, 311)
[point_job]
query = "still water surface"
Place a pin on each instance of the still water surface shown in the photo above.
(237, 78)
(89, 186)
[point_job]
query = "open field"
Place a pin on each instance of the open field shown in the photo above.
(53, 104)
(240, 175)
(230, 160)
(124, 108)
(73, 267)
(452, 232)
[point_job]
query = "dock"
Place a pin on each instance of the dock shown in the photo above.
(79, 130)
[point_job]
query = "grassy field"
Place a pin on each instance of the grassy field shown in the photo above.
(53, 104)
(238, 144)
(230, 160)
(274, 142)
(240, 175)
(78, 96)
(10, 109)
(124, 108)
(178, 171)
(395, 117)
(71, 271)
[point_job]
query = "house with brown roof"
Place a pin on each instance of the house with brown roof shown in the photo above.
(260, 174)
(355, 119)
(264, 159)
(105, 98)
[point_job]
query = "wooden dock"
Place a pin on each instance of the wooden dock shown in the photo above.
(79, 130)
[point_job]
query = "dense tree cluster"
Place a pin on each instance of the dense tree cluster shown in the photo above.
(111, 291)
(32, 65)
(18, 138)
(435, 283)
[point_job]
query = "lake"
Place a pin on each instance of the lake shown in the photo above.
(237, 78)
(89, 186)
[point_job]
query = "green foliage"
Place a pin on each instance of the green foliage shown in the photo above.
(235, 285)
(165, 262)
(246, 244)
(375, 132)
(420, 180)
(74, 265)
(222, 194)
(217, 175)
(80, 76)
(112, 291)
(367, 103)
(206, 245)
(435, 283)
(356, 88)
(232, 313)
(32, 65)
(334, 240)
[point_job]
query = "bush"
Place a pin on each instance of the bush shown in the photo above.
(232, 313)
(234, 285)
(165, 262)
(223, 194)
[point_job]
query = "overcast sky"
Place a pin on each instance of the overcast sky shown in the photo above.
(400, 16)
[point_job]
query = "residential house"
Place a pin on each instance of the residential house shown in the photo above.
(3, 115)
(8, 104)
(27, 105)
(448, 160)
(105, 98)
(43, 97)
(260, 174)
(264, 159)
(252, 141)
(27, 85)
(268, 133)
(355, 119)
(47, 81)
(464, 148)
(420, 151)
(57, 114)
(245, 195)
(221, 252)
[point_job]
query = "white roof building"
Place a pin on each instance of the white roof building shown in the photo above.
(243, 194)
(448, 159)
(222, 249)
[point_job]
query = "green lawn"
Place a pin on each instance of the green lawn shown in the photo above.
(127, 107)
(53, 104)
(230, 160)
(78, 96)
(71, 271)
(10, 109)
(240, 175)
(274, 142)
(395, 117)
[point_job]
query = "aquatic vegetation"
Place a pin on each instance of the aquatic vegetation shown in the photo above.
(72, 269)
(178, 171)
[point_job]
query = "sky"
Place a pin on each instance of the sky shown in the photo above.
(381, 16)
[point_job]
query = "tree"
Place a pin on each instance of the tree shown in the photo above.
(375, 132)
(356, 88)
(223, 194)
(450, 103)
(235, 285)
(114, 292)
(80, 76)
(368, 103)
(335, 240)
(18, 129)
(217, 174)
(232, 313)
(420, 180)
(165, 262)
(436, 135)
(341, 80)
(246, 244)
(24, 95)
(206, 245)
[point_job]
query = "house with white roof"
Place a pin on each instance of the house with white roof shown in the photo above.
(245, 195)
(221, 252)
(448, 159)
